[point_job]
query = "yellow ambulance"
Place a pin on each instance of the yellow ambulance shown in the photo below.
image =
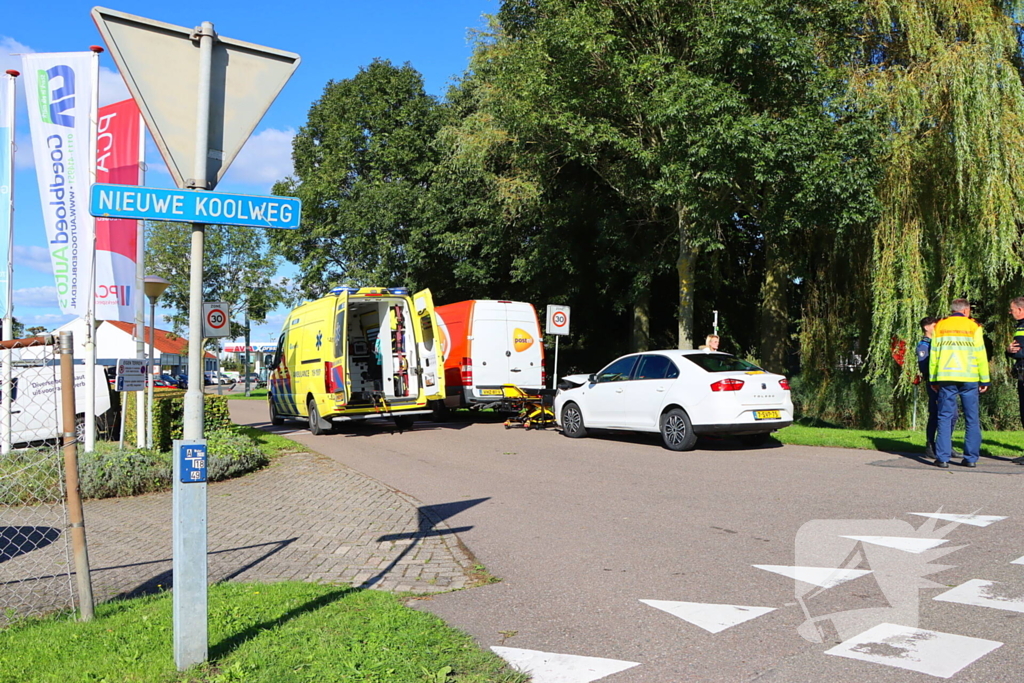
(356, 354)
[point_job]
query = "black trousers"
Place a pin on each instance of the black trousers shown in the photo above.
(1020, 399)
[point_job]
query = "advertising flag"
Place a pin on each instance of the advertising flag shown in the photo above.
(6, 187)
(59, 96)
(118, 141)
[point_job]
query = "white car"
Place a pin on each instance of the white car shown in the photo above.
(682, 394)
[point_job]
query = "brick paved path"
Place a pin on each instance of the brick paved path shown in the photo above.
(305, 518)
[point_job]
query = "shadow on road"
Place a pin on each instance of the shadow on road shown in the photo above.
(429, 517)
(21, 540)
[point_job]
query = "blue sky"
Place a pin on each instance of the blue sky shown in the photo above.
(333, 38)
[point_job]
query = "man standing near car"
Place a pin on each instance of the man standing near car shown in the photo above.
(958, 368)
(1016, 350)
(924, 350)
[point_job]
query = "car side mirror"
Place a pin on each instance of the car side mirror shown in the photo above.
(592, 379)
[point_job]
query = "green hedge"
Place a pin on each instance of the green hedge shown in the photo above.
(168, 416)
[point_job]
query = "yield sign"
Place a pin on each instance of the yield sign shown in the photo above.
(160, 65)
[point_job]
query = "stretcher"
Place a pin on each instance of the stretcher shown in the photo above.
(532, 408)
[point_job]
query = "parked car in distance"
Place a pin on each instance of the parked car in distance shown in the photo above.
(181, 379)
(681, 394)
(254, 380)
(164, 381)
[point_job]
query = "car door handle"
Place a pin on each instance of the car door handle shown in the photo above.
(618, 391)
(659, 389)
(516, 370)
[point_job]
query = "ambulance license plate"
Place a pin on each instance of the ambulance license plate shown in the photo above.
(767, 415)
(490, 392)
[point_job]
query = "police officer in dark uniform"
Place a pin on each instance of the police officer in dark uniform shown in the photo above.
(1016, 350)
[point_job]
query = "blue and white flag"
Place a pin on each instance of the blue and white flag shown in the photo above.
(58, 89)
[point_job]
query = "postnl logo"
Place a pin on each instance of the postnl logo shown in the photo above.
(521, 340)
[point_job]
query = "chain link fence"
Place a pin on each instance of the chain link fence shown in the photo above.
(35, 555)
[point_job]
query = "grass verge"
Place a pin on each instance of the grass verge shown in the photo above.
(273, 633)
(254, 395)
(996, 444)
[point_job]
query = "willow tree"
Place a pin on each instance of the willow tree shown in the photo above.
(945, 79)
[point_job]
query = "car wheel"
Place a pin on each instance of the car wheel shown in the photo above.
(316, 425)
(755, 440)
(572, 421)
(676, 431)
(404, 423)
(275, 419)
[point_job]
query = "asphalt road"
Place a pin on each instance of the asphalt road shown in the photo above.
(580, 531)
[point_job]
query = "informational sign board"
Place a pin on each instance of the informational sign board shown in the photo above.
(191, 461)
(131, 375)
(558, 320)
(216, 319)
(193, 206)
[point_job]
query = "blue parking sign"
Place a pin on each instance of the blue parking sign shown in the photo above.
(192, 463)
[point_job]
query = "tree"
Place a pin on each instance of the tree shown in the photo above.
(237, 268)
(363, 163)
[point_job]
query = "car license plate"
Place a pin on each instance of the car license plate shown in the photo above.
(490, 392)
(767, 415)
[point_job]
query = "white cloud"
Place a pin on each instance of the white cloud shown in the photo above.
(50, 321)
(265, 158)
(9, 51)
(36, 258)
(36, 297)
(112, 87)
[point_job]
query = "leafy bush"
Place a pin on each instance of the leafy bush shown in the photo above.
(108, 471)
(232, 454)
(168, 415)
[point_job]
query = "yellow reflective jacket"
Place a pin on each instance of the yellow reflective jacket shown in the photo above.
(958, 351)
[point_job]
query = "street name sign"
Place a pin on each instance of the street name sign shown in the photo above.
(190, 206)
(160, 65)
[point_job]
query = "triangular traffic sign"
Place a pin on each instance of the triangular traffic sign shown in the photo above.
(160, 65)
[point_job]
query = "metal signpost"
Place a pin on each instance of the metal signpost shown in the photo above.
(201, 96)
(558, 325)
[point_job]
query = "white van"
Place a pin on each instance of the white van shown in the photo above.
(486, 345)
(36, 401)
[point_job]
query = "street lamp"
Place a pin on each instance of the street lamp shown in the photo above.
(154, 286)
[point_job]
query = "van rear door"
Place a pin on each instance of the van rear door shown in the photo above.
(431, 353)
(526, 361)
(335, 370)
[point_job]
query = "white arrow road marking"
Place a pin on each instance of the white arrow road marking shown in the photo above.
(549, 667)
(928, 652)
(710, 617)
(824, 577)
(1019, 560)
(908, 544)
(986, 594)
(973, 520)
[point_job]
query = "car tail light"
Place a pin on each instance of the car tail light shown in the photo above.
(728, 384)
(543, 377)
(466, 370)
(784, 383)
(334, 377)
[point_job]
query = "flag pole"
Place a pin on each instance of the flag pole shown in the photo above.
(90, 315)
(7, 174)
(140, 300)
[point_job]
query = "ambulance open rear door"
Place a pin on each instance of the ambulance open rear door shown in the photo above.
(431, 353)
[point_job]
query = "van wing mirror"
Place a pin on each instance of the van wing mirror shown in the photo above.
(592, 379)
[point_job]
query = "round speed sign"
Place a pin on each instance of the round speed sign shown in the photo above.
(216, 319)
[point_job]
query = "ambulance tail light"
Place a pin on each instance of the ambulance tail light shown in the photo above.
(728, 384)
(543, 377)
(334, 378)
(466, 371)
(784, 383)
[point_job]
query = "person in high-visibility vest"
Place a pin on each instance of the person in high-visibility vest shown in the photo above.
(958, 367)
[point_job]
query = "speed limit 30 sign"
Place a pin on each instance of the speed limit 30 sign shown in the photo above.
(216, 319)
(558, 320)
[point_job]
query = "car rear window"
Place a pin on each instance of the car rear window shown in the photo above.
(721, 362)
